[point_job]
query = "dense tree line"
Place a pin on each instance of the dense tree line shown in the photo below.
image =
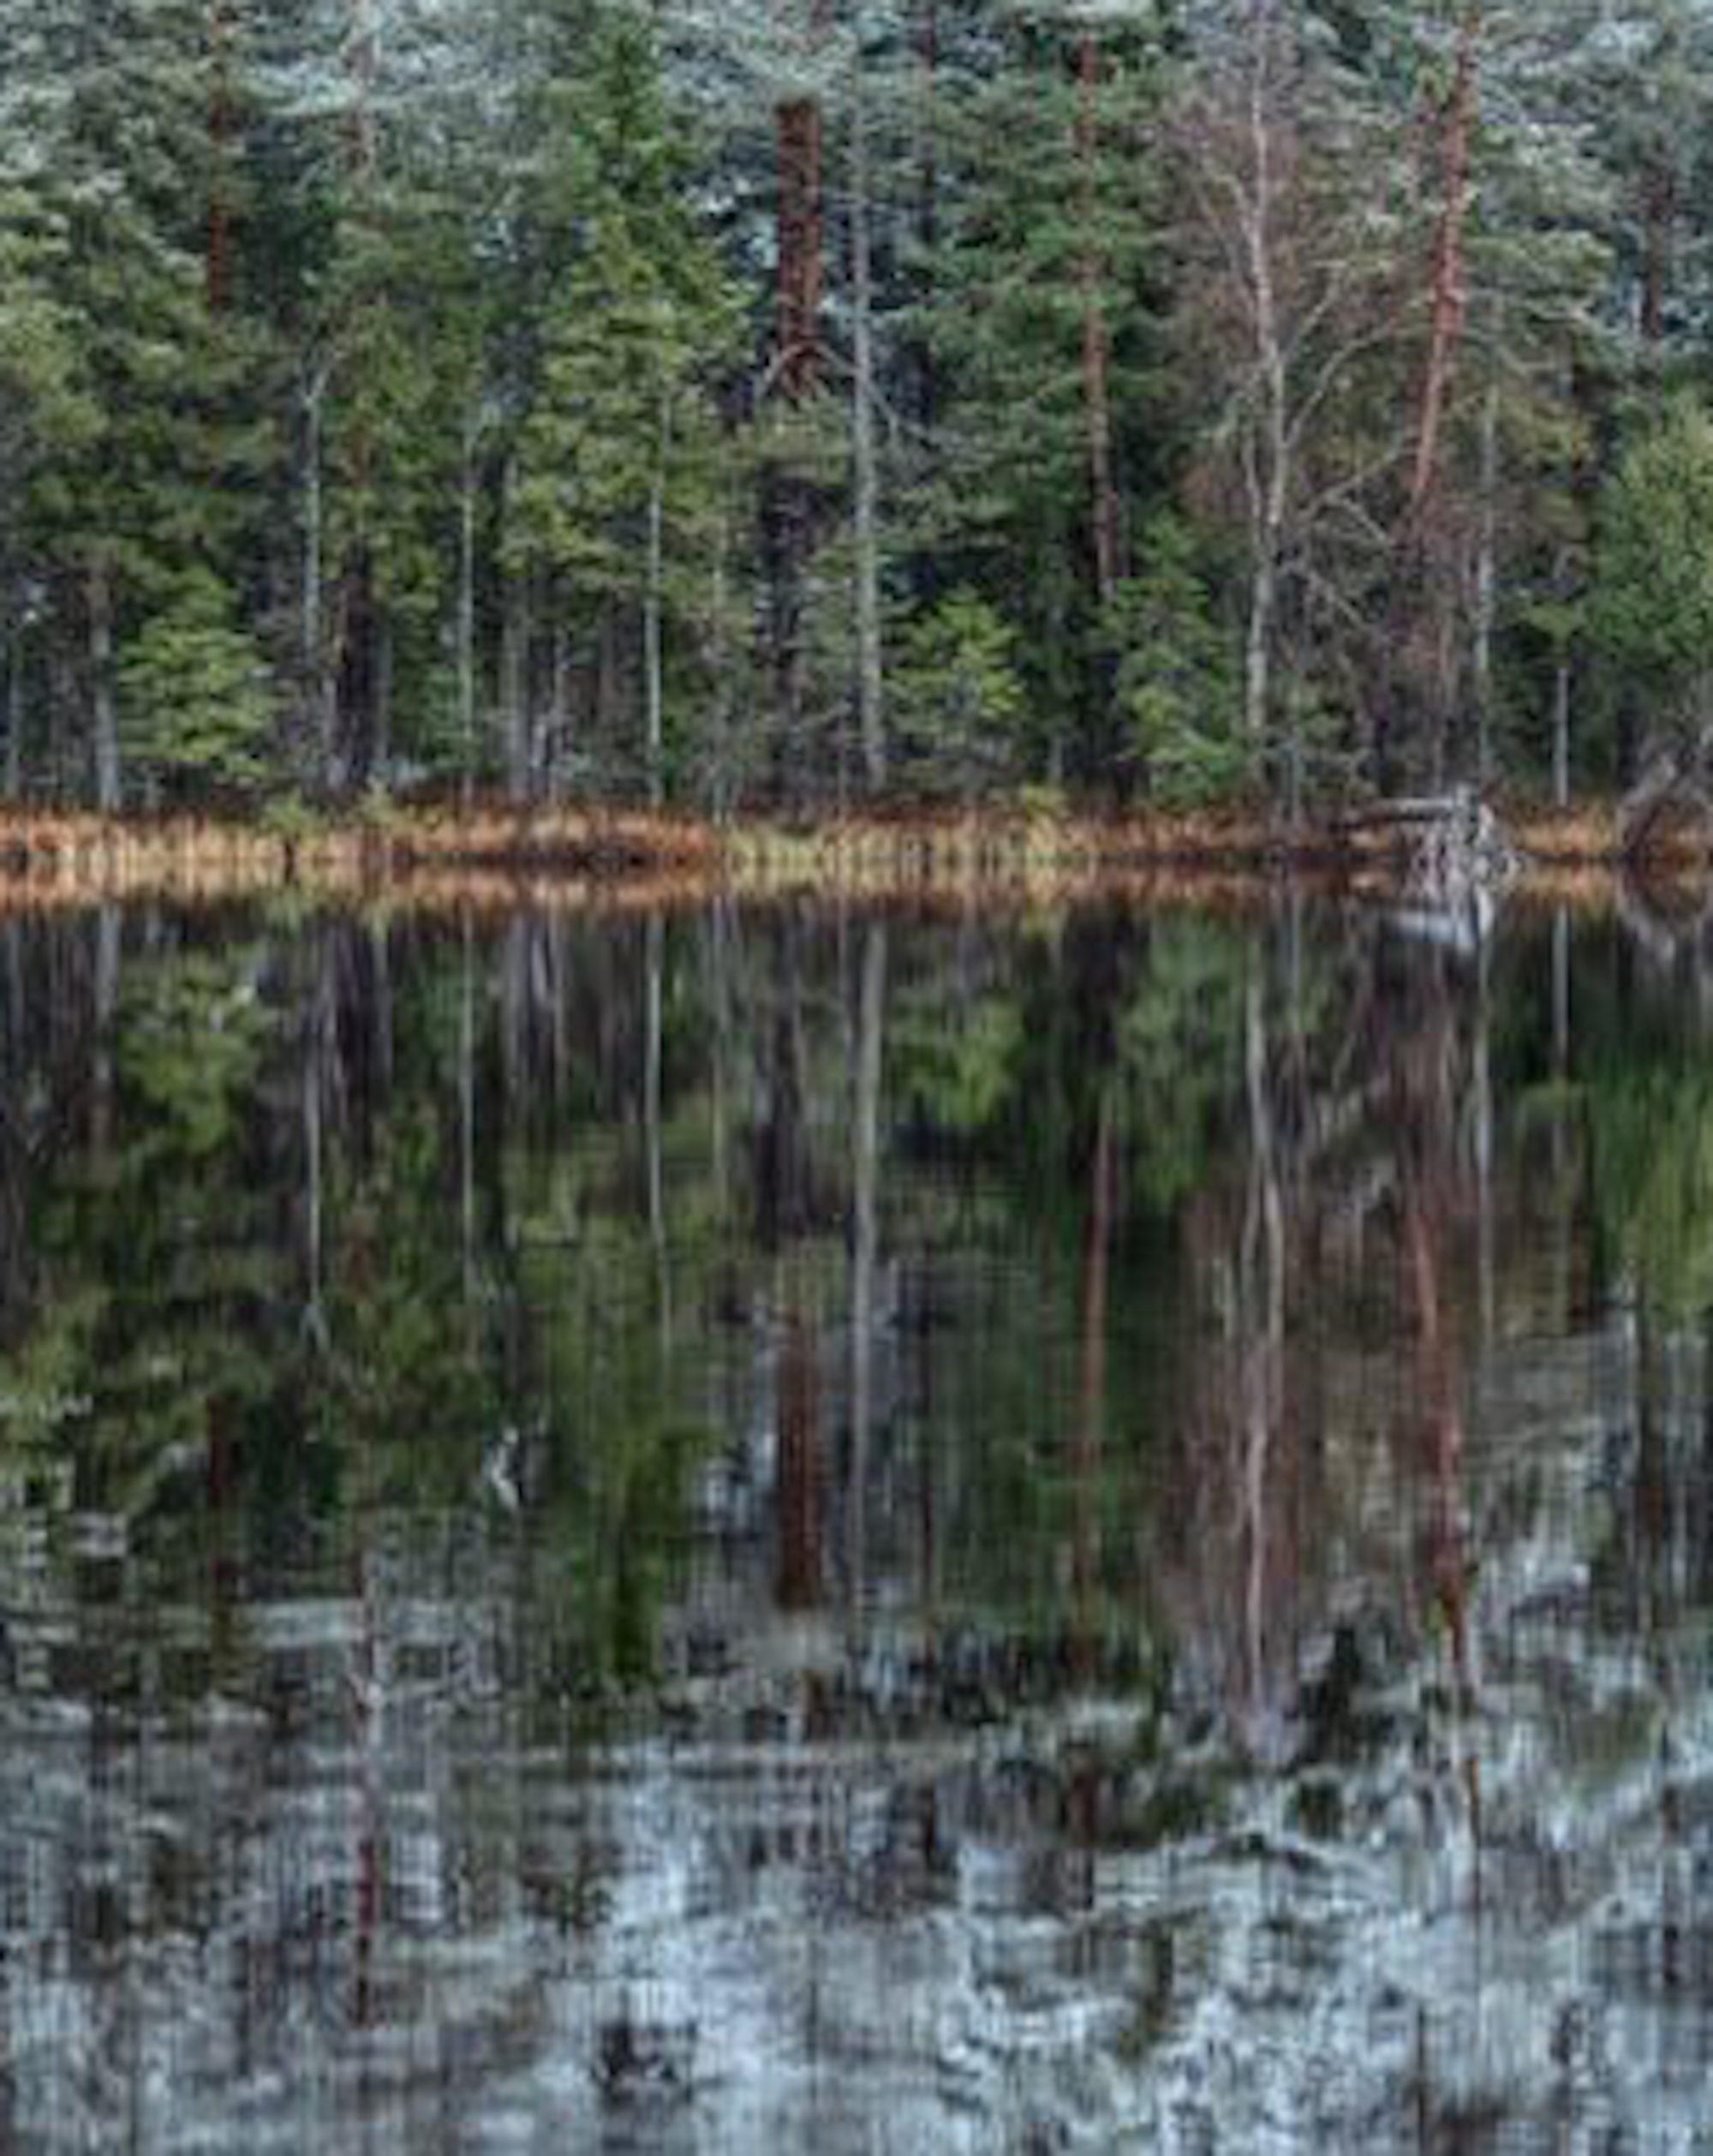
(800, 397)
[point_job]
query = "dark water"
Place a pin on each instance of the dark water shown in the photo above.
(776, 1532)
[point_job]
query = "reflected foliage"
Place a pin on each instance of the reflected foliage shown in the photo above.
(638, 1472)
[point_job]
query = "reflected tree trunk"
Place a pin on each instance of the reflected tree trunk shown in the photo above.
(312, 1080)
(865, 1237)
(801, 1474)
(1482, 1105)
(99, 594)
(12, 775)
(467, 1111)
(652, 1052)
(1089, 1449)
(1262, 1313)
(107, 958)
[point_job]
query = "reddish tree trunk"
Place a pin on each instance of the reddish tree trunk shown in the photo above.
(1449, 294)
(1096, 343)
(802, 238)
(1659, 215)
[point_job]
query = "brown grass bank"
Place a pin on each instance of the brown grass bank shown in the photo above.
(497, 855)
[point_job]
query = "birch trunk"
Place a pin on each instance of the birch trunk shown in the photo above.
(1268, 471)
(514, 671)
(1561, 731)
(100, 600)
(652, 604)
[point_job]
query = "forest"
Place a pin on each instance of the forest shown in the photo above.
(796, 401)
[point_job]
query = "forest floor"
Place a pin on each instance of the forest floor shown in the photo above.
(608, 855)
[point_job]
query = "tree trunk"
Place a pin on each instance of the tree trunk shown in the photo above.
(1561, 684)
(553, 755)
(1486, 583)
(789, 514)
(466, 615)
(219, 267)
(653, 600)
(1412, 672)
(353, 660)
(514, 672)
(1096, 349)
(1448, 293)
(312, 656)
(927, 201)
(100, 601)
(362, 64)
(801, 237)
(1267, 471)
(1659, 219)
(870, 675)
(381, 743)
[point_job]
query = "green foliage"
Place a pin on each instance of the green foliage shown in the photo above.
(1176, 676)
(41, 397)
(191, 1039)
(958, 700)
(198, 706)
(485, 413)
(961, 1076)
(1653, 603)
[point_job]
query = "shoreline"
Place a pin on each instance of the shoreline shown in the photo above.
(633, 857)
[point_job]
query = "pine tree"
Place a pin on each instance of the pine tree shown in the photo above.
(618, 468)
(113, 114)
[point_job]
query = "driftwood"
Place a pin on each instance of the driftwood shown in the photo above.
(1454, 849)
(1669, 803)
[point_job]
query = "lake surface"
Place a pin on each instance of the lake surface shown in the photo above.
(776, 1531)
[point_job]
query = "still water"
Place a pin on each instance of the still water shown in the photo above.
(774, 1531)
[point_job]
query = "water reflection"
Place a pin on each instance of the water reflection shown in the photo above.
(775, 1529)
